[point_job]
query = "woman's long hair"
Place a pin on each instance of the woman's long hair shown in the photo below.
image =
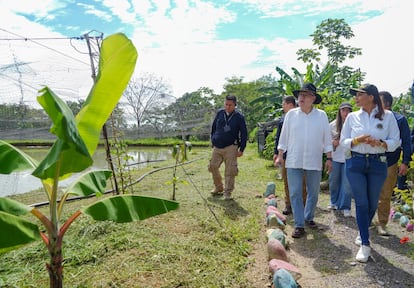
(339, 122)
(378, 102)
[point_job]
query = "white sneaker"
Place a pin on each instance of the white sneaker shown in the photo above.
(358, 241)
(363, 254)
(347, 213)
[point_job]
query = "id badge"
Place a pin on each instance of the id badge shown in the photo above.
(227, 128)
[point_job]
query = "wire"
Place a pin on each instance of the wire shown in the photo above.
(76, 49)
(44, 46)
(40, 38)
(19, 82)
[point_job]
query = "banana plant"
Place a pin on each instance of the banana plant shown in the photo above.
(77, 139)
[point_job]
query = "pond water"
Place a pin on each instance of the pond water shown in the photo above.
(23, 182)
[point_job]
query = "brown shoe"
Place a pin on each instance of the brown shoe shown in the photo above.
(217, 192)
(311, 224)
(298, 232)
(382, 230)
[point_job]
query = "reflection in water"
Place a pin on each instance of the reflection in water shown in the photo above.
(22, 182)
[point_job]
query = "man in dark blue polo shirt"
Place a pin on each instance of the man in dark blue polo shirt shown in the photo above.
(384, 203)
(228, 138)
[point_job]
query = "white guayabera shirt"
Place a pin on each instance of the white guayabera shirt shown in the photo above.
(305, 137)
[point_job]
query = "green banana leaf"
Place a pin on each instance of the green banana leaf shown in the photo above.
(128, 208)
(13, 159)
(91, 182)
(69, 150)
(13, 207)
(117, 54)
(78, 139)
(16, 232)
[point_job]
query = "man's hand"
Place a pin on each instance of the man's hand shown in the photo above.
(328, 166)
(239, 153)
(279, 161)
(403, 169)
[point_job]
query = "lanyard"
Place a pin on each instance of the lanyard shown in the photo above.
(228, 119)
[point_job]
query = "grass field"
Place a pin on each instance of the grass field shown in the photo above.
(205, 243)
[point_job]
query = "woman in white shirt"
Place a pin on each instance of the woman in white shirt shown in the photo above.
(368, 134)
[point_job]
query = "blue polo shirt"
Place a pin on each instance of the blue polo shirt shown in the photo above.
(229, 130)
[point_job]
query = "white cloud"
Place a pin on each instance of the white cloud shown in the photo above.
(31, 7)
(177, 40)
(121, 8)
(92, 10)
(387, 51)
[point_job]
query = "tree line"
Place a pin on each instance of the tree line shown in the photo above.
(148, 109)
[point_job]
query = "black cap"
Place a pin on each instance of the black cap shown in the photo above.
(370, 89)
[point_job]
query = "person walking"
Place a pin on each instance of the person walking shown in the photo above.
(288, 103)
(228, 139)
(305, 137)
(339, 187)
(384, 203)
(402, 179)
(368, 134)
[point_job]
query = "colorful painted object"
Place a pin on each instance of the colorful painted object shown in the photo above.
(276, 264)
(404, 220)
(276, 250)
(279, 235)
(272, 202)
(273, 221)
(270, 189)
(397, 215)
(283, 279)
(404, 240)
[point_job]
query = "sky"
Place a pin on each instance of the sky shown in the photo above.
(194, 44)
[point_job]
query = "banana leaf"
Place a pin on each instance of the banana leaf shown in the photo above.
(128, 208)
(13, 159)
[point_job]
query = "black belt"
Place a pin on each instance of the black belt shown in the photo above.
(366, 155)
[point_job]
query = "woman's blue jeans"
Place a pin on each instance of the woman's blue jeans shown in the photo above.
(339, 187)
(366, 174)
(295, 182)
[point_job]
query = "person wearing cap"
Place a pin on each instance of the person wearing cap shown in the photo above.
(367, 133)
(305, 137)
(339, 187)
(228, 138)
(384, 203)
(288, 103)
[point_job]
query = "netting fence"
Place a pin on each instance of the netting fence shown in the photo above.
(27, 64)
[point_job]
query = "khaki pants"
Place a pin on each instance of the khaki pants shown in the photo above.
(228, 155)
(384, 202)
(286, 187)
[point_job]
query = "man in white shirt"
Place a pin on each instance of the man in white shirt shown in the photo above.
(305, 135)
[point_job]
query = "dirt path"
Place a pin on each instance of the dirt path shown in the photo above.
(326, 256)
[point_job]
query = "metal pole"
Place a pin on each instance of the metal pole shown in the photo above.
(104, 128)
